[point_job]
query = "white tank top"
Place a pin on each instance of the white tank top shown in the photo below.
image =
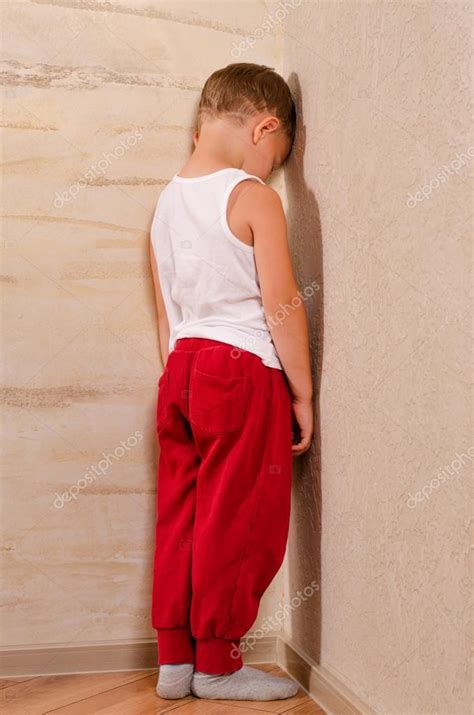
(208, 277)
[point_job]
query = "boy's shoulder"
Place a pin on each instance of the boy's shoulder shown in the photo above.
(251, 195)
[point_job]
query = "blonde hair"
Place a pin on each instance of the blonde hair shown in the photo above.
(242, 89)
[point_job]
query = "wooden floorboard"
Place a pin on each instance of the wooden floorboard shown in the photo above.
(6, 682)
(43, 694)
(130, 693)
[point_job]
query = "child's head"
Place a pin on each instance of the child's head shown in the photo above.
(256, 105)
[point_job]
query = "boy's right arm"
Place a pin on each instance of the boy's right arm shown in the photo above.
(163, 324)
(283, 305)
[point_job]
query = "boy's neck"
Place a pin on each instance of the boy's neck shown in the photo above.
(214, 151)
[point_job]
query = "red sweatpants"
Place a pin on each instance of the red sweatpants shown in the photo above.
(223, 501)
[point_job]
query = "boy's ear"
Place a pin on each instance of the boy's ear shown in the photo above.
(266, 126)
(195, 138)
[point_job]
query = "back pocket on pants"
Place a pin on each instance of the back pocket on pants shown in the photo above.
(217, 404)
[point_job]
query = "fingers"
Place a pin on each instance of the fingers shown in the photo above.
(298, 451)
(302, 446)
(303, 426)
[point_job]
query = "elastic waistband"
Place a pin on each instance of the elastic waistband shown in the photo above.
(198, 344)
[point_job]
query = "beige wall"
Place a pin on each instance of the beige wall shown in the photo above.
(103, 93)
(385, 91)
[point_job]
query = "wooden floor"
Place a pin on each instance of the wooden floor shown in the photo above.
(131, 693)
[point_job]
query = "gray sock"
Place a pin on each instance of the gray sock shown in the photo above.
(174, 681)
(245, 684)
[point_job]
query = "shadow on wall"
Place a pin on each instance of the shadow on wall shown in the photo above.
(304, 562)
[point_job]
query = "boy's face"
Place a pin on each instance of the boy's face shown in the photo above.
(268, 149)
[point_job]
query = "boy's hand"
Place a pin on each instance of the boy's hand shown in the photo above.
(303, 413)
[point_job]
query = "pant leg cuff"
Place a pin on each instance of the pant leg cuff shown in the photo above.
(175, 646)
(216, 655)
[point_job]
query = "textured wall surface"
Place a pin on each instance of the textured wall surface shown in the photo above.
(379, 212)
(99, 101)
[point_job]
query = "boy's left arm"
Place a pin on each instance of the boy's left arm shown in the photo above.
(163, 324)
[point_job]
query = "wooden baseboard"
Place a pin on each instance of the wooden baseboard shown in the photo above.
(102, 657)
(99, 657)
(328, 692)
(78, 658)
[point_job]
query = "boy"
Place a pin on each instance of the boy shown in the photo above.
(233, 376)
